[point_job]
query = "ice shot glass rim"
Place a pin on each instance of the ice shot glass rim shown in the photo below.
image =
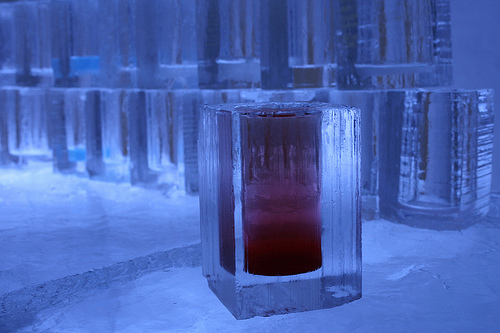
(270, 109)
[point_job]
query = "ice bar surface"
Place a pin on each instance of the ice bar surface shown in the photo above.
(280, 206)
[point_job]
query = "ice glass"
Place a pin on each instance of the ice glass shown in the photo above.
(154, 138)
(7, 45)
(393, 43)
(32, 43)
(67, 131)
(280, 206)
(228, 43)
(75, 54)
(369, 102)
(107, 137)
(311, 43)
(117, 43)
(176, 40)
(25, 134)
(436, 157)
(186, 103)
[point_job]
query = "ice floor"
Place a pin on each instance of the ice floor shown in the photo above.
(85, 256)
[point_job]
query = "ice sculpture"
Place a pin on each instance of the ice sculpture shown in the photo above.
(280, 206)
(435, 157)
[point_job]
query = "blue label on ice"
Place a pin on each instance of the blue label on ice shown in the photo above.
(78, 66)
(77, 154)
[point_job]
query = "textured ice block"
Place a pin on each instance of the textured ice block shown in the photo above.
(176, 38)
(186, 103)
(75, 54)
(370, 103)
(435, 157)
(25, 124)
(106, 118)
(228, 43)
(154, 138)
(297, 44)
(117, 43)
(311, 43)
(32, 44)
(393, 44)
(7, 46)
(280, 206)
(136, 135)
(67, 132)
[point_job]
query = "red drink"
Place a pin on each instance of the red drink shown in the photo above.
(281, 193)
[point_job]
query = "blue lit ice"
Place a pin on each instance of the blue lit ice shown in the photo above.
(80, 255)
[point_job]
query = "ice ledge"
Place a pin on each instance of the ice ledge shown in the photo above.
(20, 307)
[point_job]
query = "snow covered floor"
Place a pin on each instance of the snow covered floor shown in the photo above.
(87, 256)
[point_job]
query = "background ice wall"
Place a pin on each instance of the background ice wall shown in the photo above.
(476, 56)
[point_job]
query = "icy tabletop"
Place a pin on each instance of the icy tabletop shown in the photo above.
(78, 255)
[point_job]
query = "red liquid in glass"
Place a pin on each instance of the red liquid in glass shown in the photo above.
(281, 194)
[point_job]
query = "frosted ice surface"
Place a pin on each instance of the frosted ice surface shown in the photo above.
(54, 226)
(88, 256)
